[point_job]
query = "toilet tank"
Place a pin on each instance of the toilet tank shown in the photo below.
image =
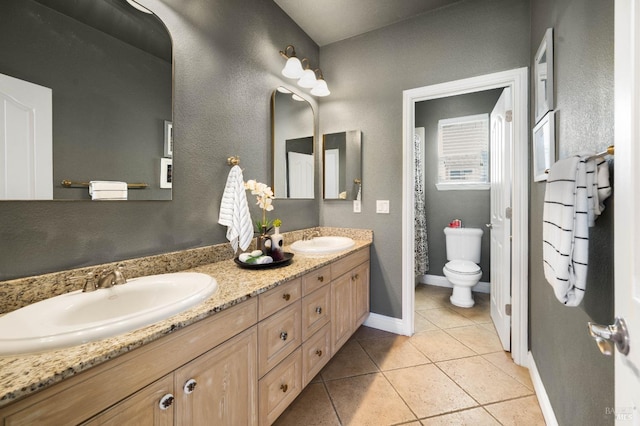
(463, 243)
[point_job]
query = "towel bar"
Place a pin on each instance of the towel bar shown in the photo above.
(69, 184)
(609, 151)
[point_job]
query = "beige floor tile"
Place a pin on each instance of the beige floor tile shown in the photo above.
(446, 318)
(504, 362)
(473, 417)
(427, 302)
(312, 408)
(420, 323)
(370, 333)
(483, 380)
(522, 411)
(368, 400)
(480, 313)
(351, 360)
(428, 391)
(477, 338)
(393, 352)
(437, 345)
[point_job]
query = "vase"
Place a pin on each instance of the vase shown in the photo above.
(261, 239)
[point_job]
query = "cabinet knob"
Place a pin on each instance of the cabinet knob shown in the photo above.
(166, 401)
(319, 352)
(286, 296)
(190, 386)
(321, 278)
(284, 335)
(284, 388)
(355, 277)
(319, 310)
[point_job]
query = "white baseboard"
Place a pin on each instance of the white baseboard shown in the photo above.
(541, 393)
(382, 322)
(440, 281)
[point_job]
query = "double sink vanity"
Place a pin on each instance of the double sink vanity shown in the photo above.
(240, 353)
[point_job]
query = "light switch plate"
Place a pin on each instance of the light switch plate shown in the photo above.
(382, 206)
(357, 207)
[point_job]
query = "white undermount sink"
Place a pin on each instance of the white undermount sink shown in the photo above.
(78, 317)
(323, 245)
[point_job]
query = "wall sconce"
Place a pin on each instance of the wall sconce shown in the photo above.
(306, 76)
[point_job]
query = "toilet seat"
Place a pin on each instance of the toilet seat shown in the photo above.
(462, 267)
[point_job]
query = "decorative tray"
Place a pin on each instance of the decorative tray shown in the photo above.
(275, 264)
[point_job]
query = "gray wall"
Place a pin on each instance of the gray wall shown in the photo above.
(472, 207)
(226, 68)
(578, 379)
(367, 75)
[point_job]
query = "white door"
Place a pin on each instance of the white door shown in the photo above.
(500, 227)
(627, 211)
(300, 175)
(331, 173)
(26, 150)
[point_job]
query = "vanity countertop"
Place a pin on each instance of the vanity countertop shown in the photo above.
(25, 374)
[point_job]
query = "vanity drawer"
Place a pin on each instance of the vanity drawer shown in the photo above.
(278, 336)
(280, 387)
(316, 311)
(316, 352)
(278, 298)
(316, 279)
(343, 266)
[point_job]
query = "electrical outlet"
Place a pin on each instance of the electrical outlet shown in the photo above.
(357, 207)
(382, 206)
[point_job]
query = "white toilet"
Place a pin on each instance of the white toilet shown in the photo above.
(462, 270)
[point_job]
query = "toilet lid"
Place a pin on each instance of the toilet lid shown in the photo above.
(462, 267)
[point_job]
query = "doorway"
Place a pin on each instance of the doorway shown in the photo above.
(517, 81)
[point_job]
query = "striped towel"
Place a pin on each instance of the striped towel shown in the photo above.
(234, 211)
(573, 200)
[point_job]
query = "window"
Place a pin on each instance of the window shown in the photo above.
(463, 153)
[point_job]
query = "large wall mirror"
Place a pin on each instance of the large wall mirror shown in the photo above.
(293, 145)
(342, 160)
(101, 73)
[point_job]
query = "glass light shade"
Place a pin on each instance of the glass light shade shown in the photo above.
(320, 89)
(308, 79)
(139, 7)
(297, 98)
(293, 68)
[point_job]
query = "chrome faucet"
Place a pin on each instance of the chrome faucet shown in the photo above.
(105, 280)
(310, 235)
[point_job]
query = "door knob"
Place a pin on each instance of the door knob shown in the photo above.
(606, 336)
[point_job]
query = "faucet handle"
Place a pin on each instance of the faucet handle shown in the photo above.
(118, 277)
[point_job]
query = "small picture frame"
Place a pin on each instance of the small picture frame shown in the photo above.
(543, 76)
(166, 173)
(168, 138)
(544, 146)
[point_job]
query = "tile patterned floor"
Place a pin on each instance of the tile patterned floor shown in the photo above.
(453, 371)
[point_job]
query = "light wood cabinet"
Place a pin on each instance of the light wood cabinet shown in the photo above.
(278, 336)
(360, 278)
(341, 312)
(280, 387)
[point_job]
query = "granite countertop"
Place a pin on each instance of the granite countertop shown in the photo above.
(25, 374)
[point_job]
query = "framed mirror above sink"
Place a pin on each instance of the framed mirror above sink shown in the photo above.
(292, 132)
(107, 69)
(342, 160)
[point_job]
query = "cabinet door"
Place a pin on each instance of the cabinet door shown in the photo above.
(221, 386)
(341, 311)
(151, 406)
(360, 276)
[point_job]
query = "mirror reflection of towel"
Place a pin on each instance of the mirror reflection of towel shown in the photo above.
(108, 190)
(234, 211)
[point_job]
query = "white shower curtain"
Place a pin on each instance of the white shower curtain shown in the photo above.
(421, 246)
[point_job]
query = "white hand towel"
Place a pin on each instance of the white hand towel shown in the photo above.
(108, 190)
(234, 211)
(573, 200)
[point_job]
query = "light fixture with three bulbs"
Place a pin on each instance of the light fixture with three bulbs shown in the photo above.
(306, 77)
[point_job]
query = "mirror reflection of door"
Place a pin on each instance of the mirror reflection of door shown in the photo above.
(342, 158)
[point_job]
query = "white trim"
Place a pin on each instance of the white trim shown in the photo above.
(381, 322)
(517, 79)
(541, 393)
(440, 281)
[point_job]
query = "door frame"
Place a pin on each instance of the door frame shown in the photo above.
(517, 79)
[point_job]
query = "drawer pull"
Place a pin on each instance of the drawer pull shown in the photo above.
(166, 401)
(319, 310)
(284, 388)
(357, 276)
(284, 335)
(321, 278)
(286, 296)
(319, 352)
(190, 386)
